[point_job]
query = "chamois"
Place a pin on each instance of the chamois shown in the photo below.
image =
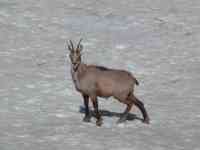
(96, 81)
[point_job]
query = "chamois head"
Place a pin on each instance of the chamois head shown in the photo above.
(75, 54)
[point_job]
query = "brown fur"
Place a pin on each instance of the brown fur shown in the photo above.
(98, 81)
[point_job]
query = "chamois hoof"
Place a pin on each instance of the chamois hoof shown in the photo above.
(86, 119)
(99, 122)
(146, 120)
(121, 120)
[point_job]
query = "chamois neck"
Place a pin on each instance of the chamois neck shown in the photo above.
(82, 67)
(76, 75)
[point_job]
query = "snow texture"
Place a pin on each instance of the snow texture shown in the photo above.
(157, 40)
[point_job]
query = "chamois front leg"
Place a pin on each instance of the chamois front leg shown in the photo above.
(87, 111)
(96, 111)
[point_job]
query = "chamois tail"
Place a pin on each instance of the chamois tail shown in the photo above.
(136, 82)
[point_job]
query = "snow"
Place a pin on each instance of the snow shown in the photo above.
(158, 41)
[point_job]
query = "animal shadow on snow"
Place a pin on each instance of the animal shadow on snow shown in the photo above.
(107, 113)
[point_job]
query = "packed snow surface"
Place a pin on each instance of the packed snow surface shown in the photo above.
(157, 40)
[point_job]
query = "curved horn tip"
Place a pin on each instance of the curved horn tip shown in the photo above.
(70, 41)
(71, 44)
(79, 42)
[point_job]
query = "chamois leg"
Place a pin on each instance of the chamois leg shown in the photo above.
(97, 114)
(87, 111)
(140, 105)
(124, 116)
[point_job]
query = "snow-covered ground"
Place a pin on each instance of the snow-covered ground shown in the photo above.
(157, 40)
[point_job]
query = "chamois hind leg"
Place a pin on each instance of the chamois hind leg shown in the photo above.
(97, 114)
(124, 116)
(87, 111)
(140, 105)
(124, 98)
